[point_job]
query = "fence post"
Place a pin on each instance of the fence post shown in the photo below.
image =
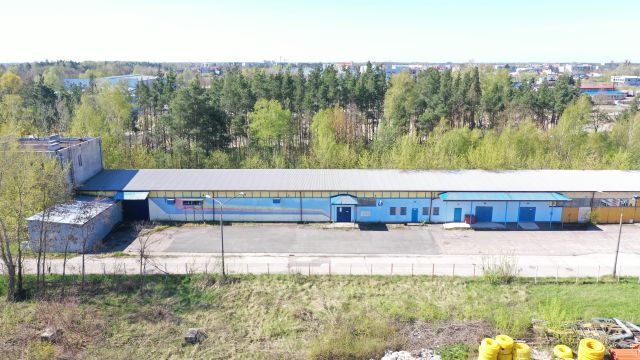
(453, 272)
(370, 269)
(535, 278)
(247, 268)
(411, 269)
(309, 269)
(391, 273)
(206, 265)
(329, 268)
(350, 265)
(577, 274)
(104, 269)
(474, 270)
(433, 270)
(598, 276)
(268, 272)
(557, 273)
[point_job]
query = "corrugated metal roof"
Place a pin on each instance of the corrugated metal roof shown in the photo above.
(503, 196)
(363, 180)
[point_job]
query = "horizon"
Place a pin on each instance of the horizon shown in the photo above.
(250, 31)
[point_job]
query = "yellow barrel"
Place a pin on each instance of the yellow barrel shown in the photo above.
(488, 349)
(590, 349)
(506, 344)
(562, 352)
(502, 356)
(521, 351)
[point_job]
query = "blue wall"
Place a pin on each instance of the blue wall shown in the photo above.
(321, 210)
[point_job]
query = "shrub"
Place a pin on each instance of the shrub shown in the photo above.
(501, 269)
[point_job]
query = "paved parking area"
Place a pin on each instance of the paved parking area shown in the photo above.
(410, 240)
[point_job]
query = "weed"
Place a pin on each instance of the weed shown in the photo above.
(458, 351)
(501, 269)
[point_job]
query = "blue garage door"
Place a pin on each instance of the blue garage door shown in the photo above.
(484, 213)
(344, 214)
(527, 214)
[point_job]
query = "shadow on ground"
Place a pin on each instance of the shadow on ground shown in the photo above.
(373, 227)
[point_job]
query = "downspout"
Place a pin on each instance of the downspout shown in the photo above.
(430, 206)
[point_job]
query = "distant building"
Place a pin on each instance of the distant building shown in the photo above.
(577, 68)
(626, 80)
(82, 155)
(131, 81)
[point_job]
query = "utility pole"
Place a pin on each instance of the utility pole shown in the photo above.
(615, 263)
(224, 274)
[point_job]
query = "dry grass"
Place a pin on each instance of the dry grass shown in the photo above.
(274, 317)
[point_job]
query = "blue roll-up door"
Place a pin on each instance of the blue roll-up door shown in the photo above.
(527, 214)
(484, 213)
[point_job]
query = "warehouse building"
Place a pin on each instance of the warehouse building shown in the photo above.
(520, 198)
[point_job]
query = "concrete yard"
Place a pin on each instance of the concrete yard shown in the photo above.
(388, 240)
(400, 250)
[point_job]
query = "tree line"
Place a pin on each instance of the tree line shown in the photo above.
(328, 117)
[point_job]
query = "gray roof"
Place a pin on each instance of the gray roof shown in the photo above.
(77, 212)
(363, 180)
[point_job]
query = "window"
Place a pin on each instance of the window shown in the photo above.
(276, 200)
(392, 210)
(192, 202)
(403, 211)
(367, 201)
(425, 211)
(435, 211)
(171, 201)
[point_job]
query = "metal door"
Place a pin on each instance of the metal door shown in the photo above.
(527, 214)
(414, 215)
(484, 213)
(343, 214)
(457, 215)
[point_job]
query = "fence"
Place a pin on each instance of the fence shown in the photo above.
(130, 266)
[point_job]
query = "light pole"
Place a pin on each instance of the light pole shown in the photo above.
(222, 225)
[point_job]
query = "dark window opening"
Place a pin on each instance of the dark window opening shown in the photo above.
(367, 201)
(192, 202)
(403, 211)
(425, 211)
(435, 211)
(392, 210)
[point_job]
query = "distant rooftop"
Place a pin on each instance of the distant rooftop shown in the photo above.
(597, 87)
(131, 80)
(51, 143)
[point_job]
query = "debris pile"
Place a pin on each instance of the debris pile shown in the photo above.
(425, 354)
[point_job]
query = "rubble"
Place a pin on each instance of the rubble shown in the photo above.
(195, 335)
(51, 335)
(425, 354)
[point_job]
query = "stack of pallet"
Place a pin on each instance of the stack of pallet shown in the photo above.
(625, 354)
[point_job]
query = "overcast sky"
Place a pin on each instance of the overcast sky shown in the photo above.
(329, 30)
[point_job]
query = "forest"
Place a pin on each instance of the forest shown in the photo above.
(475, 117)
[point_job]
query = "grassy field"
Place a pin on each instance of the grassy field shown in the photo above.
(297, 317)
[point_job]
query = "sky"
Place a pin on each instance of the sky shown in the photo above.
(320, 31)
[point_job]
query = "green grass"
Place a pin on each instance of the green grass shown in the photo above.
(274, 317)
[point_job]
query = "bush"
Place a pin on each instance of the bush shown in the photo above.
(501, 269)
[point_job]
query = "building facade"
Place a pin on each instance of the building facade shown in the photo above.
(371, 196)
(626, 80)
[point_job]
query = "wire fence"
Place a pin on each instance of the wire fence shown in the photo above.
(130, 266)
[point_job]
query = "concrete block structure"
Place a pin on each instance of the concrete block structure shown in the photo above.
(82, 155)
(75, 226)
